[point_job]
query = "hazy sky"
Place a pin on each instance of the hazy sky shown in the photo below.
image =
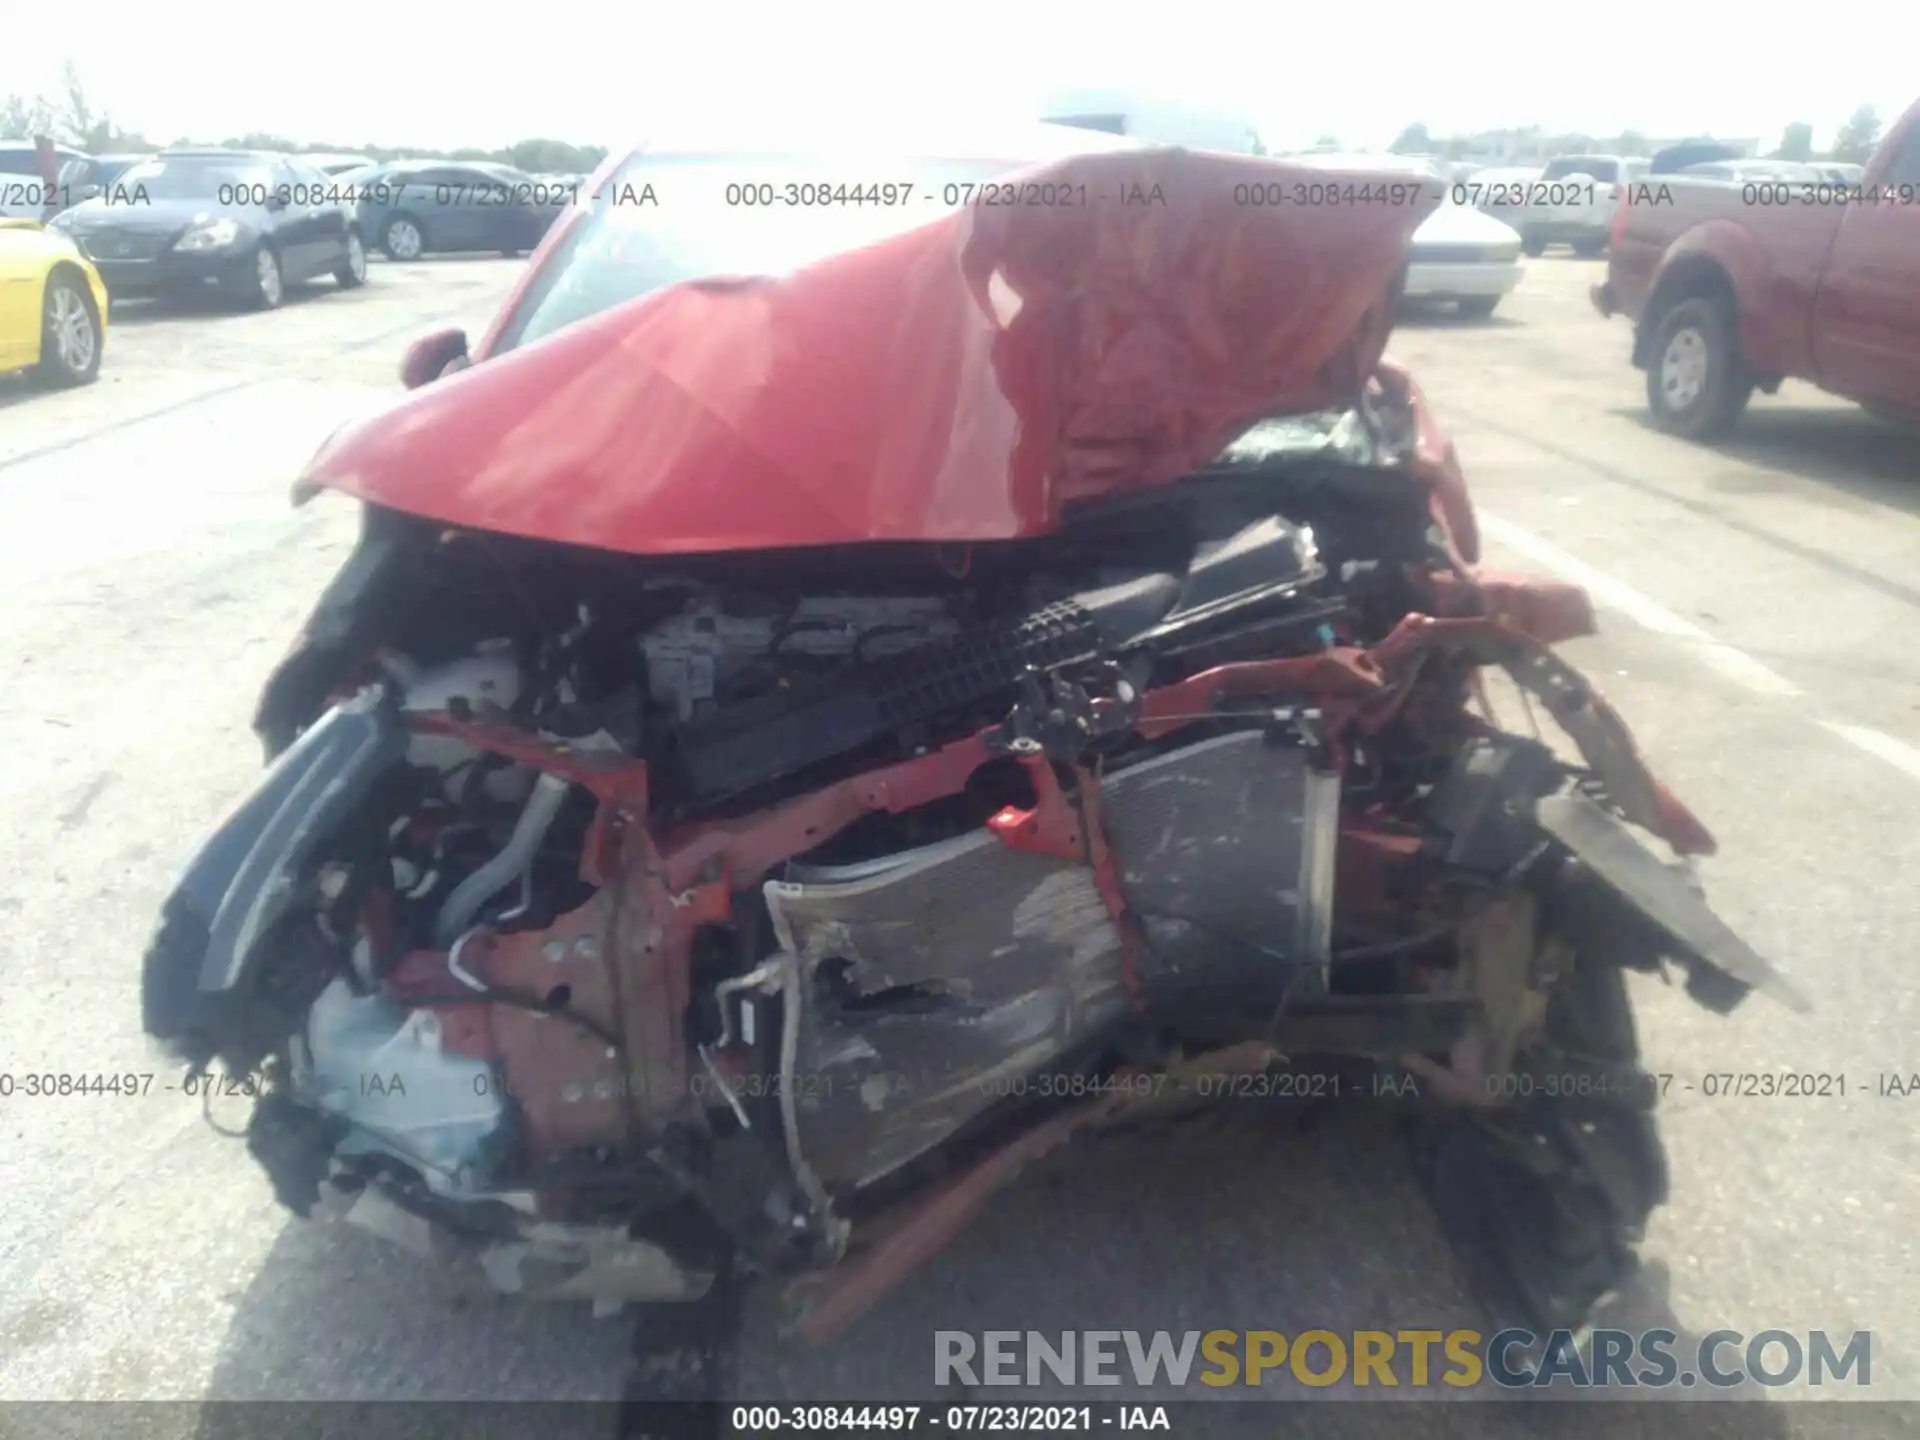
(401, 74)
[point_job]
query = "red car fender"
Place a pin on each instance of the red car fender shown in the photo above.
(1435, 462)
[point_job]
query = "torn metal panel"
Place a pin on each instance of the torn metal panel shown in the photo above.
(1661, 892)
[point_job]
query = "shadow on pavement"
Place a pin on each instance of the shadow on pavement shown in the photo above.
(20, 388)
(1846, 448)
(1851, 448)
(1256, 1215)
(336, 1314)
(1444, 315)
(204, 304)
(1235, 1220)
(1246, 1219)
(441, 257)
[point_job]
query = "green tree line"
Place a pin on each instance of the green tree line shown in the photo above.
(72, 118)
(1853, 142)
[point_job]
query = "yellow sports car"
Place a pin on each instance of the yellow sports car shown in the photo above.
(53, 306)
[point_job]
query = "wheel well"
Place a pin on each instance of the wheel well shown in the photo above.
(1696, 278)
(66, 269)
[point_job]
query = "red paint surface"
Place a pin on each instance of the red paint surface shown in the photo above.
(887, 394)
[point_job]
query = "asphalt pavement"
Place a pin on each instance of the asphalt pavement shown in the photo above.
(1759, 601)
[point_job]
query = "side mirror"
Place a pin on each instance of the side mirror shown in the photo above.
(432, 356)
(276, 201)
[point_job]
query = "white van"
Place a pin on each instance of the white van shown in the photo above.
(1156, 122)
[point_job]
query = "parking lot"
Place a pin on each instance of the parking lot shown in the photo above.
(1758, 606)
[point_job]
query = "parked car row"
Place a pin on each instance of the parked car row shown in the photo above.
(1704, 275)
(248, 223)
(76, 229)
(1570, 201)
(407, 207)
(251, 224)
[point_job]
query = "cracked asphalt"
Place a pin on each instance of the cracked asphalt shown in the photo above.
(151, 571)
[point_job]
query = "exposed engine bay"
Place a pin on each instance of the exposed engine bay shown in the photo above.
(613, 922)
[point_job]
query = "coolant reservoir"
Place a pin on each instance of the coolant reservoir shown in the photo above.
(489, 678)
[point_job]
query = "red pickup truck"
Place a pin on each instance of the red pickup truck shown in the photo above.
(1735, 285)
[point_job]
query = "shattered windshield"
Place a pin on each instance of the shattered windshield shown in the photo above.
(1337, 434)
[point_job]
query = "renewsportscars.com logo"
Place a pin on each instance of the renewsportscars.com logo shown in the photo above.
(1612, 1359)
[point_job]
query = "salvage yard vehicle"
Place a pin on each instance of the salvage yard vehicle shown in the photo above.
(1736, 284)
(1573, 202)
(83, 178)
(53, 306)
(30, 178)
(831, 701)
(335, 164)
(1745, 171)
(425, 207)
(1459, 254)
(248, 222)
(38, 180)
(1502, 191)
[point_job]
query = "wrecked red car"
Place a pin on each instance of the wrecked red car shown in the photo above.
(879, 664)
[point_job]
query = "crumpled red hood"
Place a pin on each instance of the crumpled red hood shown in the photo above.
(960, 381)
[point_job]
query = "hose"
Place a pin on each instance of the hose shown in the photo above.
(513, 861)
